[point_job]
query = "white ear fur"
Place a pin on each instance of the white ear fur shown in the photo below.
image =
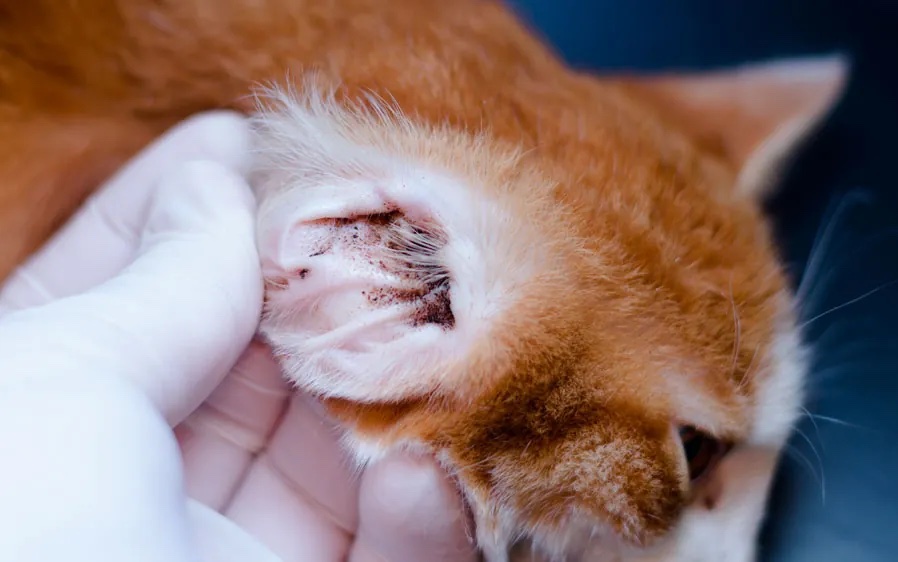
(357, 232)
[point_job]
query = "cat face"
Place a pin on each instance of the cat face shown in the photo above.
(594, 336)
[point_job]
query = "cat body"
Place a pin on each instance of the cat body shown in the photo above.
(560, 285)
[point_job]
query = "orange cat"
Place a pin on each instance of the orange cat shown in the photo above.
(560, 285)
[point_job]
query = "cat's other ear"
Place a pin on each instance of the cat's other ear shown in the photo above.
(755, 116)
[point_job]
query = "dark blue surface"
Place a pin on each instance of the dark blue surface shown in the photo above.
(836, 498)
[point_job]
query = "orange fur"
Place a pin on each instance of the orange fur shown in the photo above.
(661, 297)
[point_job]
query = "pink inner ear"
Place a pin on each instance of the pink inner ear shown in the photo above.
(358, 298)
(282, 240)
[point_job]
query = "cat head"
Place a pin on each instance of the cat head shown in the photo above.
(590, 330)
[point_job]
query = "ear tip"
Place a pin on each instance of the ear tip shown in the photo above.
(820, 78)
(833, 68)
(834, 72)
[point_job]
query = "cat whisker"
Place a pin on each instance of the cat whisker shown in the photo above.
(807, 413)
(750, 371)
(822, 240)
(827, 334)
(836, 308)
(737, 328)
(835, 268)
(806, 462)
(814, 450)
(835, 421)
(832, 332)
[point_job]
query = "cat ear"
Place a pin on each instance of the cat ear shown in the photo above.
(382, 269)
(754, 116)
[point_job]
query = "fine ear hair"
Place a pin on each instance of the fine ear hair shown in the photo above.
(755, 116)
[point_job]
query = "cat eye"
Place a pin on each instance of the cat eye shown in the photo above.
(702, 451)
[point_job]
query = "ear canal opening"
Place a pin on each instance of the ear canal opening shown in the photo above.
(412, 251)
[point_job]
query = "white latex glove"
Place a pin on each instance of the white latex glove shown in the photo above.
(164, 272)
(162, 294)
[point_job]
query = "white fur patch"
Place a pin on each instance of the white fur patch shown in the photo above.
(779, 395)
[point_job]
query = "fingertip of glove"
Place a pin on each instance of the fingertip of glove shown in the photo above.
(206, 184)
(401, 488)
(223, 135)
(409, 510)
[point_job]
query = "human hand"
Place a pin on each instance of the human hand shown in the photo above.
(133, 313)
(254, 452)
(268, 459)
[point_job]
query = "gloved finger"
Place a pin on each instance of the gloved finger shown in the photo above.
(90, 473)
(221, 438)
(409, 511)
(102, 237)
(300, 496)
(177, 318)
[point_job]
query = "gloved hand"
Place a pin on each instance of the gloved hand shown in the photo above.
(119, 329)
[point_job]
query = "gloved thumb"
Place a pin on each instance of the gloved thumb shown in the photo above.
(173, 321)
